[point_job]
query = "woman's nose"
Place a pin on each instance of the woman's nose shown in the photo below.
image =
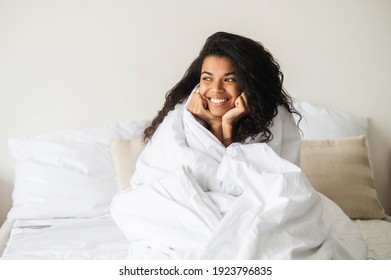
(218, 86)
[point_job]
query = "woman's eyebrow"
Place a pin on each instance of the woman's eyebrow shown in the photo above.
(210, 74)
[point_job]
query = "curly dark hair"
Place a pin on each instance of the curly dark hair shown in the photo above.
(258, 75)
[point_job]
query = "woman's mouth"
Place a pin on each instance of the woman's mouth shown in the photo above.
(218, 101)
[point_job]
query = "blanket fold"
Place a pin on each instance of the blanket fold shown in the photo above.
(192, 198)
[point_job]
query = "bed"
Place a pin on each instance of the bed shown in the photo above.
(65, 182)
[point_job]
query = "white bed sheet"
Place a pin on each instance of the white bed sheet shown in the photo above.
(377, 234)
(100, 238)
(81, 238)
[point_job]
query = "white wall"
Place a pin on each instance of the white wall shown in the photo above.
(77, 63)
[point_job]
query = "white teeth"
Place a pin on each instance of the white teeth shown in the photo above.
(218, 101)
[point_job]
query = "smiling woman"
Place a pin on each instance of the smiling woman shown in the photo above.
(220, 101)
(240, 91)
(218, 85)
(221, 169)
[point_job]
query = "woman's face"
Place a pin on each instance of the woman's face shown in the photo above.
(218, 84)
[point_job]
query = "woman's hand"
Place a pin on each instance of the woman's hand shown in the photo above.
(221, 127)
(231, 117)
(240, 110)
(198, 107)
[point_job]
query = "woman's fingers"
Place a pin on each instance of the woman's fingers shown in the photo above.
(240, 110)
(244, 98)
(241, 104)
(198, 107)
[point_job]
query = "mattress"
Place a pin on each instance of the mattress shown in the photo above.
(65, 239)
(100, 238)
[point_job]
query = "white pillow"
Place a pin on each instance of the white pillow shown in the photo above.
(319, 123)
(66, 173)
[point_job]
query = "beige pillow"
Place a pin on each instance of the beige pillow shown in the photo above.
(125, 153)
(340, 170)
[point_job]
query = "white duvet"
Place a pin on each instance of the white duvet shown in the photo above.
(192, 198)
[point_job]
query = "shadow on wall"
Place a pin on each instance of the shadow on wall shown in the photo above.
(388, 211)
(5, 205)
(381, 164)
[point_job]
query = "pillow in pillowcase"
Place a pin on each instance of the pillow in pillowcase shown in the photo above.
(340, 170)
(66, 173)
(321, 123)
(125, 153)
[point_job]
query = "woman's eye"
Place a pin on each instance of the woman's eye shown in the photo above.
(230, 80)
(206, 78)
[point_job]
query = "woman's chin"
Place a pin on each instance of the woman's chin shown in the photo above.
(217, 113)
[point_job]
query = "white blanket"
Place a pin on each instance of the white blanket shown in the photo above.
(192, 198)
